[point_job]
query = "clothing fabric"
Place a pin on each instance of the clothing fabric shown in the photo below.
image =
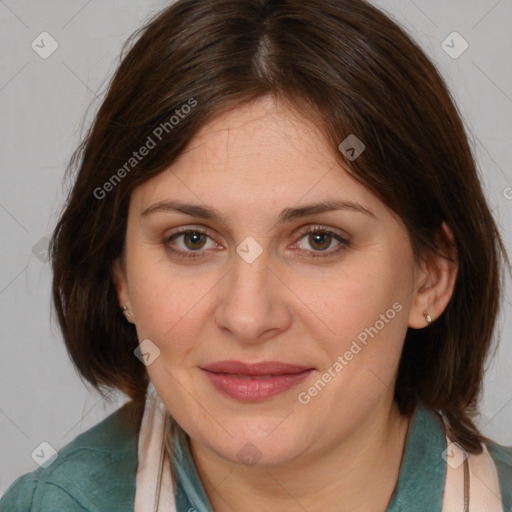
(154, 488)
(97, 471)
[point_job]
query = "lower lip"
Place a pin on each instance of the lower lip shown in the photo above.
(251, 389)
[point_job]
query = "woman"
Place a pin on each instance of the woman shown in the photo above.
(277, 246)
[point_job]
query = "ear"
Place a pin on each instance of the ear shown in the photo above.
(121, 286)
(435, 281)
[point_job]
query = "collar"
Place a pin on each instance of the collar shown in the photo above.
(422, 474)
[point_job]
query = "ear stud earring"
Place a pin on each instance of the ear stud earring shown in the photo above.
(125, 311)
(428, 318)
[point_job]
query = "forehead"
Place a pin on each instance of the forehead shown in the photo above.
(265, 128)
(260, 155)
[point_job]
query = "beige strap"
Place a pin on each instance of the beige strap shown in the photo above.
(484, 489)
(154, 490)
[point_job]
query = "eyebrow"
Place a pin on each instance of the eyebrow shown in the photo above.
(286, 215)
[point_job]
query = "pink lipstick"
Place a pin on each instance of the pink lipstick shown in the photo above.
(256, 381)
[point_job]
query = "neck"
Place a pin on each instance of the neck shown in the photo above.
(355, 475)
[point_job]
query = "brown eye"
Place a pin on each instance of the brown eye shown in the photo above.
(320, 240)
(194, 240)
(190, 243)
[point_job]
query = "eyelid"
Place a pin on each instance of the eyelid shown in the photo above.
(319, 227)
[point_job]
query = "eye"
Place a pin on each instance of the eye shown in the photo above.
(320, 239)
(192, 241)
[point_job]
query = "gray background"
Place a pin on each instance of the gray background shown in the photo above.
(43, 105)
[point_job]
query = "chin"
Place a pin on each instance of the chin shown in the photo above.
(259, 444)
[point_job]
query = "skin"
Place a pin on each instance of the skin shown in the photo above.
(342, 450)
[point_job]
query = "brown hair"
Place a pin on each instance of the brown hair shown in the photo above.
(348, 68)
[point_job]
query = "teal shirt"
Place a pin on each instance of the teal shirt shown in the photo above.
(96, 472)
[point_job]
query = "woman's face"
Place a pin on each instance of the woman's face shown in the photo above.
(264, 276)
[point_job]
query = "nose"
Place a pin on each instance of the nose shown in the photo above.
(253, 306)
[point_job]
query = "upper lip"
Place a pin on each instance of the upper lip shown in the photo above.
(262, 368)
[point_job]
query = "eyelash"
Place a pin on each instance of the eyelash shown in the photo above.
(310, 230)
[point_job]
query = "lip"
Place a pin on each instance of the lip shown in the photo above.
(254, 381)
(255, 369)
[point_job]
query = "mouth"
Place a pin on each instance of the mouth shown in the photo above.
(254, 382)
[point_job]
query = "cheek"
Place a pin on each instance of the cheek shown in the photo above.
(366, 316)
(172, 307)
(357, 299)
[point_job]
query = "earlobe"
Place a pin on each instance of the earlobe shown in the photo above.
(121, 286)
(435, 282)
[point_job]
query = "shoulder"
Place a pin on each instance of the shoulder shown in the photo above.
(94, 471)
(502, 457)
